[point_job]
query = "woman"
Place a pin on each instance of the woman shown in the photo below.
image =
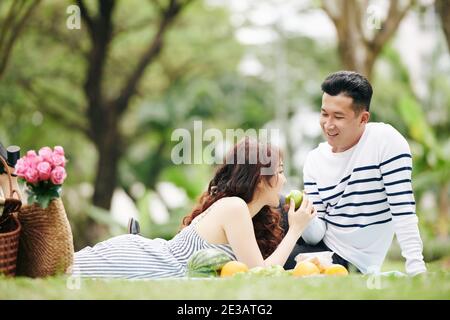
(233, 213)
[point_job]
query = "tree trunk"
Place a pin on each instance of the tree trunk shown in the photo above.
(105, 183)
(104, 115)
(443, 9)
(352, 47)
(356, 57)
(106, 179)
(108, 144)
(358, 51)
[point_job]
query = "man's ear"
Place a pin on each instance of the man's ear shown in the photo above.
(365, 116)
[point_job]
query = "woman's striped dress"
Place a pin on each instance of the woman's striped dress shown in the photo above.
(133, 256)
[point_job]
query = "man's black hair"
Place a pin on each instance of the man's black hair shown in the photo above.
(350, 84)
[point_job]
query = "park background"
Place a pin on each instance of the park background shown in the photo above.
(112, 86)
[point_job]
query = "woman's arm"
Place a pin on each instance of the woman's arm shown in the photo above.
(238, 227)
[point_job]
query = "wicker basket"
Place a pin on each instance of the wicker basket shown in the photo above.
(9, 244)
(9, 233)
(46, 242)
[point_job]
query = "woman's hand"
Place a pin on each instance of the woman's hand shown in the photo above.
(299, 220)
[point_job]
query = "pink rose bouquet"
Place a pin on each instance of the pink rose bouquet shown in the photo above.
(44, 173)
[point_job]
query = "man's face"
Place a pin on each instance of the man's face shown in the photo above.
(340, 124)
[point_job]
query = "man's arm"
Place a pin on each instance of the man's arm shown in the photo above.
(396, 168)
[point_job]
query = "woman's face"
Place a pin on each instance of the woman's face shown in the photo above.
(271, 192)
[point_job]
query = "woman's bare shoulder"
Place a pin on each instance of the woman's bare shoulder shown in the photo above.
(223, 212)
(231, 206)
(233, 202)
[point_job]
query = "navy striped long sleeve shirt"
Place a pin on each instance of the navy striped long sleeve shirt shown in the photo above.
(363, 197)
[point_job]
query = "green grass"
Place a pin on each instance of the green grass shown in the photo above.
(434, 285)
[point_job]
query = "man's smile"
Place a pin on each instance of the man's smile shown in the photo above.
(332, 135)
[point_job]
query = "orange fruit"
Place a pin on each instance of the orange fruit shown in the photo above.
(305, 268)
(232, 267)
(316, 261)
(336, 270)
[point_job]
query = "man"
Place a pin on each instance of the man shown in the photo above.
(360, 183)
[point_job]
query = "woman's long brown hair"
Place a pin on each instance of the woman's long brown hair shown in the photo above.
(237, 178)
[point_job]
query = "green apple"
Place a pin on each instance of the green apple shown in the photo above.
(297, 195)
